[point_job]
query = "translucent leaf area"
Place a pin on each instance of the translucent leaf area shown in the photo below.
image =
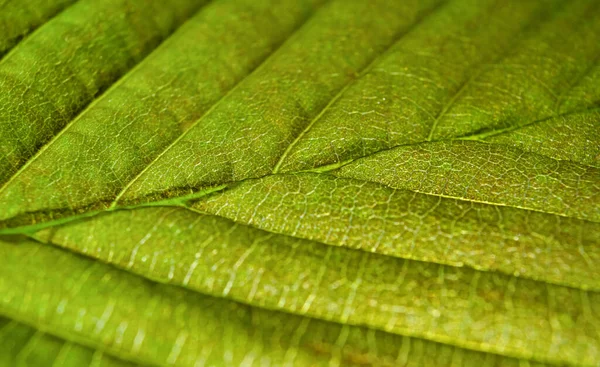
(299, 183)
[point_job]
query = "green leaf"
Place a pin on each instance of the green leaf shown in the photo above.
(486, 173)
(19, 18)
(21, 344)
(53, 74)
(308, 182)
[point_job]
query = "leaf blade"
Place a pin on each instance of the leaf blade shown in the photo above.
(244, 327)
(145, 128)
(58, 78)
(222, 186)
(221, 258)
(17, 19)
(485, 173)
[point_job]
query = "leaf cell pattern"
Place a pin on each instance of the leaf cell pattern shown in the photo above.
(290, 183)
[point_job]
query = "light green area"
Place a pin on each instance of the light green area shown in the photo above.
(22, 345)
(572, 137)
(343, 182)
(487, 173)
(407, 224)
(455, 305)
(93, 303)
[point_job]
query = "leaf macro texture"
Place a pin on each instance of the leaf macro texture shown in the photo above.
(300, 183)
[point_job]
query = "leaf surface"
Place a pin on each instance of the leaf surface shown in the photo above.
(53, 74)
(310, 182)
(19, 18)
(22, 344)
